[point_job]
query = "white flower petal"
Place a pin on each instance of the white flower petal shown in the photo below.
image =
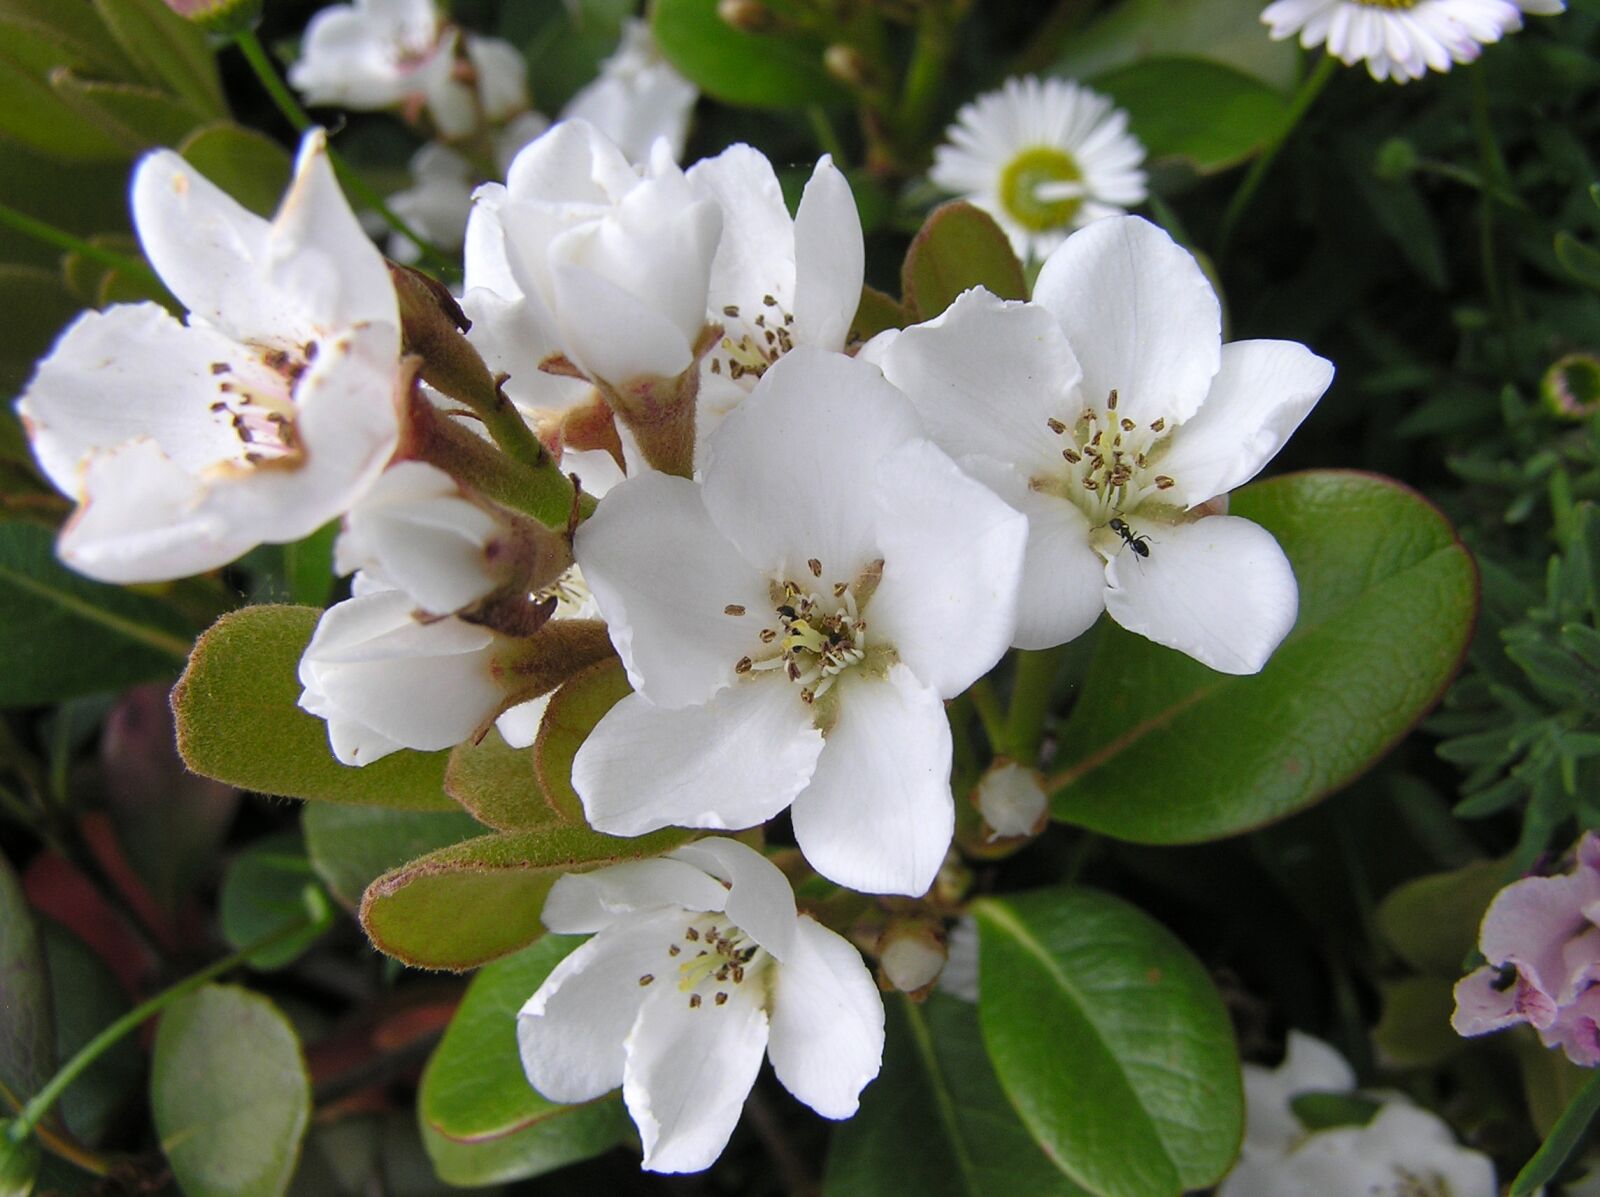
(760, 901)
(1063, 586)
(878, 816)
(952, 556)
(1219, 589)
(756, 256)
(827, 1022)
(1258, 398)
(1140, 316)
(592, 308)
(790, 473)
(734, 762)
(580, 903)
(519, 725)
(985, 376)
(664, 579)
(688, 1073)
(830, 259)
(572, 1030)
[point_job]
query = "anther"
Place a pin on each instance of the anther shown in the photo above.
(1056, 426)
(1074, 458)
(1164, 483)
(839, 588)
(769, 301)
(721, 999)
(768, 635)
(646, 979)
(733, 609)
(731, 310)
(1111, 400)
(691, 935)
(743, 665)
(220, 367)
(673, 950)
(694, 1001)
(716, 365)
(1128, 425)
(1158, 424)
(815, 567)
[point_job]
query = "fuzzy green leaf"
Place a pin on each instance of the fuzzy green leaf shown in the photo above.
(351, 846)
(248, 165)
(573, 711)
(958, 246)
(498, 784)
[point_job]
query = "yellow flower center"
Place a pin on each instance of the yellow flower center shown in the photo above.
(1041, 188)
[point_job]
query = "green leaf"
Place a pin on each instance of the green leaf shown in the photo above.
(474, 1091)
(67, 635)
(238, 720)
(1211, 115)
(32, 113)
(1111, 1042)
(573, 711)
(464, 905)
(1224, 31)
(745, 69)
(498, 784)
(138, 117)
(350, 846)
(68, 35)
(37, 307)
(875, 313)
(1322, 1111)
(27, 1032)
(170, 51)
(229, 1093)
(1160, 749)
(1415, 1031)
(958, 246)
(87, 999)
(939, 1092)
(248, 165)
(1432, 921)
(1581, 261)
(1568, 1134)
(263, 890)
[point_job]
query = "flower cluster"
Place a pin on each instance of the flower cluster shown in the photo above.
(1541, 937)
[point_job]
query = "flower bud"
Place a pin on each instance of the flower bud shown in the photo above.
(911, 955)
(849, 66)
(747, 16)
(1012, 801)
(1570, 388)
(227, 18)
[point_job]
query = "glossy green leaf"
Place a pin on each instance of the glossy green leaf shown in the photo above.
(1161, 749)
(1414, 1030)
(66, 635)
(474, 1092)
(476, 901)
(938, 1091)
(238, 720)
(88, 998)
(958, 246)
(37, 307)
(138, 117)
(264, 889)
(350, 846)
(1111, 1042)
(1225, 31)
(32, 113)
(248, 165)
(498, 784)
(746, 69)
(1210, 115)
(528, 1152)
(1563, 1141)
(27, 1032)
(171, 52)
(1432, 921)
(573, 711)
(229, 1094)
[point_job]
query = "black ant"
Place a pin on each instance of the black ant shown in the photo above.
(1138, 543)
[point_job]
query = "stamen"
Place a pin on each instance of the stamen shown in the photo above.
(815, 567)
(1056, 426)
(646, 979)
(1111, 400)
(1164, 483)
(733, 609)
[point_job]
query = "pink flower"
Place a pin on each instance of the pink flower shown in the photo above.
(1541, 936)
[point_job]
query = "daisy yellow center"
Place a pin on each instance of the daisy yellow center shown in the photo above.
(818, 630)
(709, 961)
(1041, 188)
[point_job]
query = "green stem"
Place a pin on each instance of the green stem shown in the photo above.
(61, 239)
(925, 78)
(1564, 1139)
(1309, 91)
(989, 712)
(39, 1105)
(261, 63)
(827, 136)
(1494, 172)
(1030, 704)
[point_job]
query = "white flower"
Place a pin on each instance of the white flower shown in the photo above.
(519, 725)
(792, 626)
(260, 420)
(1109, 411)
(698, 967)
(1403, 1151)
(1043, 157)
(777, 281)
(384, 680)
(1401, 39)
(501, 74)
(437, 203)
(417, 532)
(614, 260)
(637, 97)
(1012, 800)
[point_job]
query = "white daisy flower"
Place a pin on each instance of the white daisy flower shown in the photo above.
(1401, 39)
(1043, 157)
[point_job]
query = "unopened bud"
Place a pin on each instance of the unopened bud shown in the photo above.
(19, 1162)
(747, 16)
(849, 66)
(1012, 801)
(1396, 159)
(1571, 387)
(227, 18)
(911, 955)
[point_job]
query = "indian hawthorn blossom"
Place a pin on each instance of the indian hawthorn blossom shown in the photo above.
(793, 624)
(1110, 413)
(698, 967)
(637, 97)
